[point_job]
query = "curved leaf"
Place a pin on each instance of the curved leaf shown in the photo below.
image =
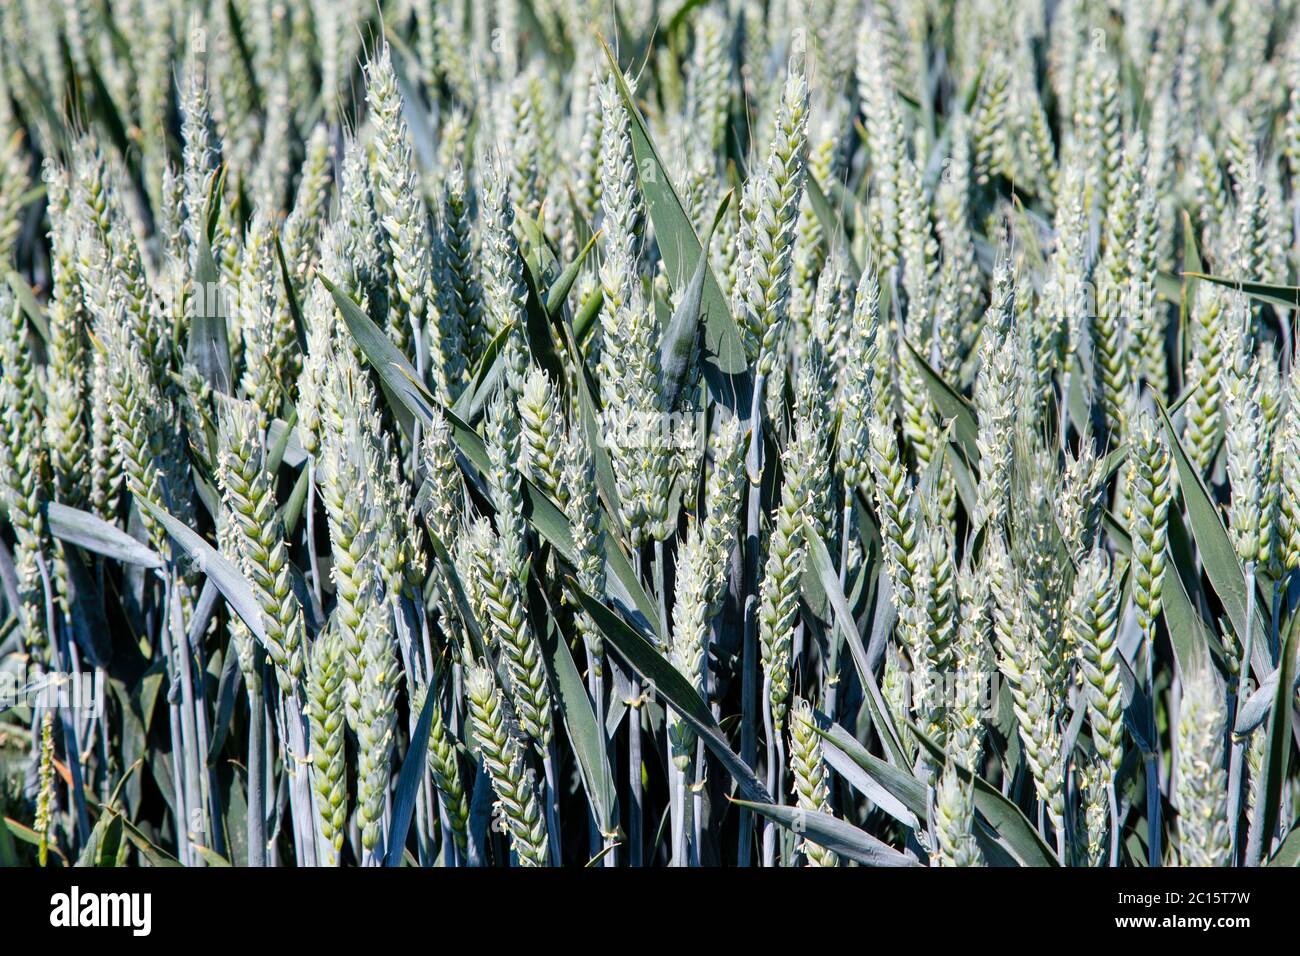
(666, 681)
(891, 788)
(833, 833)
(229, 581)
(95, 534)
(1288, 854)
(830, 581)
(1282, 296)
(563, 284)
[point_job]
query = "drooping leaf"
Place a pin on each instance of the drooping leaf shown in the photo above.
(27, 301)
(228, 579)
(211, 857)
(1282, 296)
(666, 681)
(105, 841)
(1187, 630)
(95, 534)
(485, 379)
(387, 360)
(830, 581)
(891, 788)
(146, 848)
(1288, 854)
(833, 833)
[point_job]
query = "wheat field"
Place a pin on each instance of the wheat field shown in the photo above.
(589, 433)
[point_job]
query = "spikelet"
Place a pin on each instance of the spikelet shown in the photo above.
(14, 183)
(325, 714)
(405, 223)
(995, 403)
(376, 717)
(543, 436)
(1247, 468)
(262, 550)
(885, 137)
(67, 424)
(504, 761)
(974, 665)
(45, 809)
(954, 822)
(1149, 491)
(302, 227)
(459, 292)
(620, 202)
(442, 490)
(722, 491)
(504, 445)
(584, 159)
(348, 494)
(990, 136)
(1080, 503)
(690, 635)
(144, 430)
(1287, 449)
(23, 467)
(499, 604)
(268, 331)
(1093, 627)
(1021, 663)
(787, 548)
(445, 768)
(584, 513)
(774, 228)
(1096, 811)
(893, 506)
(1097, 113)
(1200, 790)
(809, 777)
(505, 295)
(930, 618)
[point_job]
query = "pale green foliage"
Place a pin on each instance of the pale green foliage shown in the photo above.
(941, 466)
